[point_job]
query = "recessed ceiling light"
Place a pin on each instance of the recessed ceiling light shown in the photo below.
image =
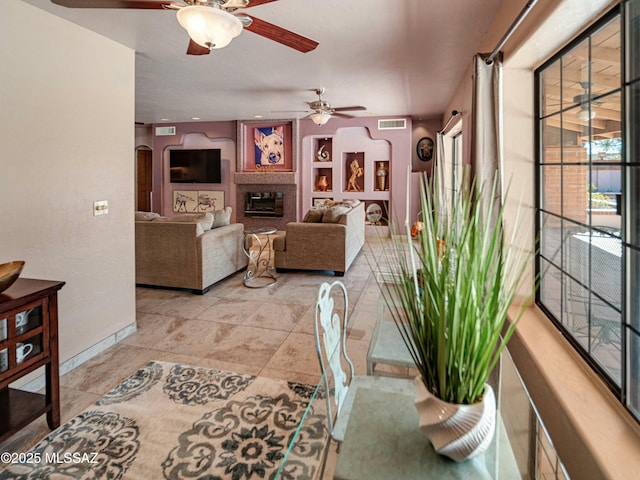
(258, 116)
(195, 118)
(164, 119)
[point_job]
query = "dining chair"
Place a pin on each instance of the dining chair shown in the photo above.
(338, 373)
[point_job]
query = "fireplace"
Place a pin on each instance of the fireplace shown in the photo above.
(264, 204)
(255, 199)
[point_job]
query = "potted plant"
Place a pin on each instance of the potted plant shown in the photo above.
(453, 285)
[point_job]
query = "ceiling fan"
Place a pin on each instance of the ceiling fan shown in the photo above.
(211, 24)
(323, 111)
(584, 100)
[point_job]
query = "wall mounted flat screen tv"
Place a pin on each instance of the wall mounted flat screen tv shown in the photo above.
(195, 166)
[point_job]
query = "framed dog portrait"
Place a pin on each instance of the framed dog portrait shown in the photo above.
(266, 146)
(269, 145)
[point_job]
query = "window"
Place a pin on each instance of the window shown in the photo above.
(588, 196)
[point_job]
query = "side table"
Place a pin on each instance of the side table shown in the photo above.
(28, 341)
(259, 273)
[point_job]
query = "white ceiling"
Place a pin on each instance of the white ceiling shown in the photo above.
(396, 57)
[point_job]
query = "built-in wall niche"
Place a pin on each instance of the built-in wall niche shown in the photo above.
(323, 150)
(382, 171)
(323, 181)
(200, 141)
(354, 171)
(376, 212)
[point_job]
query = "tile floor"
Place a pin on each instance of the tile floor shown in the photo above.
(267, 332)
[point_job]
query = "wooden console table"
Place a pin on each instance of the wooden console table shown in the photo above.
(28, 340)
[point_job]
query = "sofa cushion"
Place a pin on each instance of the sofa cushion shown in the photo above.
(314, 215)
(221, 217)
(333, 214)
(146, 216)
(205, 220)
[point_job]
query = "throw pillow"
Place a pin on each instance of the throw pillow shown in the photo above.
(314, 215)
(222, 217)
(146, 216)
(333, 214)
(351, 202)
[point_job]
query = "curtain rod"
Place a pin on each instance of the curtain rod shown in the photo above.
(454, 114)
(525, 11)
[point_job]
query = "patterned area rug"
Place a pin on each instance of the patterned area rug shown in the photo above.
(182, 422)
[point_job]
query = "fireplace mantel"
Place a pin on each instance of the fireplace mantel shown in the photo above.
(271, 178)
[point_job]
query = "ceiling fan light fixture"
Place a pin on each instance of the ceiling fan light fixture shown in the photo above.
(585, 114)
(208, 26)
(320, 118)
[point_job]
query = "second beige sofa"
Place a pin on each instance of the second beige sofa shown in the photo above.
(330, 244)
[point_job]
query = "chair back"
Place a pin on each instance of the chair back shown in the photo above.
(330, 328)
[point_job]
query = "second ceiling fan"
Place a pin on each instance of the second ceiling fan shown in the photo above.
(210, 24)
(323, 111)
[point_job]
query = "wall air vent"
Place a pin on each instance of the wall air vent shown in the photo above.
(165, 131)
(392, 124)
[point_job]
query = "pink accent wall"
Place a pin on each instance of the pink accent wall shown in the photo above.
(223, 135)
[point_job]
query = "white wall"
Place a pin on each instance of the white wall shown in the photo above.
(67, 139)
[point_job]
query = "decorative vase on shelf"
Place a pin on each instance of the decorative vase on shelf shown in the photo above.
(381, 174)
(456, 431)
(322, 184)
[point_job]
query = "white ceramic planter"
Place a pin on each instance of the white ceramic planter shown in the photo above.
(456, 431)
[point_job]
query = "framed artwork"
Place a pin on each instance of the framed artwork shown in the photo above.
(190, 201)
(267, 146)
(424, 149)
(185, 201)
(210, 200)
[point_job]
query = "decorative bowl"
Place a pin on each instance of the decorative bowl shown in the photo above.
(9, 273)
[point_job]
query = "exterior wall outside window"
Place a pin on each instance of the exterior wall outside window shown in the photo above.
(588, 107)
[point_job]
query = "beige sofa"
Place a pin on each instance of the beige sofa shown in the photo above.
(329, 243)
(178, 253)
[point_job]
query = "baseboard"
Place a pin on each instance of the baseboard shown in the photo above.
(38, 383)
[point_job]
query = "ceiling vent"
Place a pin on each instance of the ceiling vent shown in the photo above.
(392, 124)
(165, 131)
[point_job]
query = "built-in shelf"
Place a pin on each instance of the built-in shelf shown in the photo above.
(326, 159)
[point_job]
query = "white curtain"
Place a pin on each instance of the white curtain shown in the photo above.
(439, 174)
(486, 130)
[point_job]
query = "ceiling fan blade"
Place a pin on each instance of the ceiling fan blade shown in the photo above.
(341, 115)
(280, 35)
(147, 4)
(255, 3)
(343, 109)
(196, 49)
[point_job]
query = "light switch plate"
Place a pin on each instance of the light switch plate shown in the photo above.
(100, 207)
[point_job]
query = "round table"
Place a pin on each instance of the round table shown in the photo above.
(259, 272)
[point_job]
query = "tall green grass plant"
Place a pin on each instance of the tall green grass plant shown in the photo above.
(452, 288)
